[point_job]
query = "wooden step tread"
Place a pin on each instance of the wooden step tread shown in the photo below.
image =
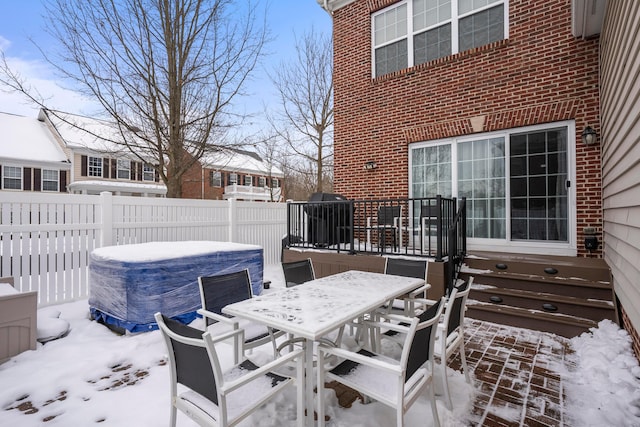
(538, 278)
(533, 314)
(541, 296)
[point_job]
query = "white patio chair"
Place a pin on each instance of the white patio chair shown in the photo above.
(398, 383)
(298, 272)
(450, 334)
(221, 290)
(215, 396)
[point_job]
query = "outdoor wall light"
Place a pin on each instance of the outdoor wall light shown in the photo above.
(589, 136)
(370, 165)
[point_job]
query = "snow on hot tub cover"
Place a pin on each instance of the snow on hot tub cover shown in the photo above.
(129, 283)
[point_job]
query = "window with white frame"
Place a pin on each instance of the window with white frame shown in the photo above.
(233, 178)
(248, 180)
(413, 32)
(515, 181)
(11, 178)
(124, 169)
(148, 173)
(95, 166)
(50, 180)
(275, 183)
(215, 179)
(262, 181)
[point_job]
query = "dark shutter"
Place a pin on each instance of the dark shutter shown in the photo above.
(63, 181)
(114, 168)
(26, 179)
(139, 171)
(83, 166)
(105, 168)
(132, 166)
(37, 179)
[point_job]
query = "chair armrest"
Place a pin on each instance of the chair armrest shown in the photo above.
(393, 317)
(276, 363)
(217, 317)
(222, 337)
(359, 358)
(421, 290)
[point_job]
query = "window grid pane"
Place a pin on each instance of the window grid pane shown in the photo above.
(481, 28)
(95, 166)
(49, 180)
(12, 178)
(148, 173)
(481, 179)
(124, 169)
(539, 198)
(401, 41)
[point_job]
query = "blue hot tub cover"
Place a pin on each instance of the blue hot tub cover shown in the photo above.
(129, 283)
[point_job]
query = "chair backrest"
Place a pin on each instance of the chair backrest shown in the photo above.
(190, 362)
(388, 214)
(406, 267)
(456, 305)
(298, 272)
(430, 213)
(224, 289)
(421, 348)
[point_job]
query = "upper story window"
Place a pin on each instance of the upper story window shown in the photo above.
(95, 166)
(275, 183)
(50, 180)
(148, 173)
(124, 169)
(233, 178)
(11, 178)
(215, 179)
(413, 32)
(262, 181)
(248, 180)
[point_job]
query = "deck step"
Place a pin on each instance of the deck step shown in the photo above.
(562, 295)
(573, 306)
(571, 287)
(559, 324)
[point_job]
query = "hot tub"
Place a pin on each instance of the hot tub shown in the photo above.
(129, 283)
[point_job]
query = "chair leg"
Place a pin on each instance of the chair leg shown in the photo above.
(434, 406)
(445, 383)
(320, 385)
(172, 417)
(463, 358)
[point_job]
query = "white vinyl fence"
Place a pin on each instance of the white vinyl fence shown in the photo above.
(46, 239)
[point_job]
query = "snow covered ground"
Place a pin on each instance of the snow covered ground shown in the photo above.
(93, 376)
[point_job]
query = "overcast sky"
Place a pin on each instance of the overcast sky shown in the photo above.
(21, 22)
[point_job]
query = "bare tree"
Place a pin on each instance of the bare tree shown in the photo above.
(166, 70)
(305, 91)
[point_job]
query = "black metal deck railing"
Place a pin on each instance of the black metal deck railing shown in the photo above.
(425, 227)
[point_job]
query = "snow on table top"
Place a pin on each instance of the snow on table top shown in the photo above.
(154, 251)
(315, 308)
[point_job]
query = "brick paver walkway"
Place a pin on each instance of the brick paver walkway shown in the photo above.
(517, 375)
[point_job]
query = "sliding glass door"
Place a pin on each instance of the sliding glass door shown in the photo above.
(516, 183)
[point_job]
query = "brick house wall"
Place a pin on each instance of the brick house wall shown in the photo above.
(540, 74)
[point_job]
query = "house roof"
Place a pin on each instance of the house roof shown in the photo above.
(240, 161)
(28, 141)
(80, 132)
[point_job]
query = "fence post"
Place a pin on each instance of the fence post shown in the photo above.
(233, 222)
(106, 228)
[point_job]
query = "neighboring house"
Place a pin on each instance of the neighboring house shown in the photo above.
(98, 163)
(233, 173)
(30, 158)
(491, 100)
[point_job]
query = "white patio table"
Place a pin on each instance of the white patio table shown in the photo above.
(315, 308)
